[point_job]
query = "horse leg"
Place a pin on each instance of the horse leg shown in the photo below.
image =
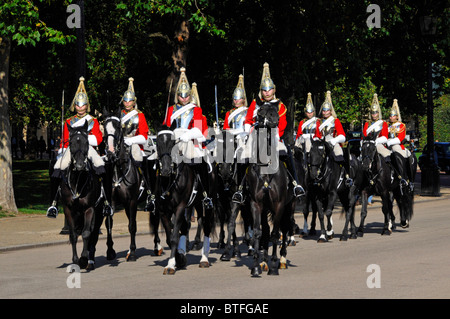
(110, 252)
(73, 236)
(208, 221)
(312, 230)
(360, 230)
(154, 219)
(197, 241)
(322, 238)
(177, 243)
(275, 236)
(256, 214)
(387, 211)
(93, 240)
(131, 211)
(86, 233)
(231, 227)
(264, 242)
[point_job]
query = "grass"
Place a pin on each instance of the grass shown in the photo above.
(31, 186)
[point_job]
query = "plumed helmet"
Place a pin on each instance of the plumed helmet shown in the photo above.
(309, 108)
(239, 91)
(395, 110)
(183, 87)
(80, 97)
(328, 105)
(129, 94)
(266, 80)
(375, 106)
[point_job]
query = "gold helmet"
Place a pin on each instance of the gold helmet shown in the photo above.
(375, 106)
(266, 81)
(183, 88)
(81, 97)
(129, 94)
(328, 105)
(309, 108)
(395, 110)
(195, 98)
(239, 91)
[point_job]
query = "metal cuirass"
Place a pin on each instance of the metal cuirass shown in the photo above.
(329, 129)
(75, 119)
(184, 119)
(394, 129)
(310, 128)
(131, 125)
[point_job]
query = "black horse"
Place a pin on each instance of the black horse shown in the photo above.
(177, 188)
(80, 191)
(123, 178)
(326, 183)
(379, 178)
(270, 192)
(229, 177)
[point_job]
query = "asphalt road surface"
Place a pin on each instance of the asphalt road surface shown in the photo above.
(410, 263)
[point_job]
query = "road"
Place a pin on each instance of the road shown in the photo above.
(411, 263)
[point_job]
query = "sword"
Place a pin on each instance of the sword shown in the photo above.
(217, 107)
(168, 101)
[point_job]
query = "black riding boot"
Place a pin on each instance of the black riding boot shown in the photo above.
(238, 196)
(400, 169)
(150, 201)
(52, 211)
(202, 171)
(106, 185)
(289, 160)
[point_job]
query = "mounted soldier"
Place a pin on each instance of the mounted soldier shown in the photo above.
(80, 105)
(307, 126)
(397, 135)
(190, 127)
(329, 127)
(378, 128)
(267, 96)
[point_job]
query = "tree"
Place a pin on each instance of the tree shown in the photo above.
(19, 24)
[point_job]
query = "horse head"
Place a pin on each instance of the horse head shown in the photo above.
(79, 145)
(268, 115)
(225, 155)
(165, 141)
(317, 157)
(113, 132)
(368, 152)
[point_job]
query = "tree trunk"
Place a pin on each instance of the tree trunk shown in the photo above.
(179, 55)
(7, 201)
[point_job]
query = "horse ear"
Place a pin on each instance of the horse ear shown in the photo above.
(86, 126)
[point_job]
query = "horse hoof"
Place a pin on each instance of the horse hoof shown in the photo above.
(303, 235)
(180, 260)
(158, 252)
(90, 266)
(169, 271)
(322, 240)
(353, 236)
(360, 234)
(130, 257)
(203, 264)
(282, 266)
(111, 254)
(83, 262)
(196, 246)
(225, 257)
(273, 272)
(343, 238)
(251, 252)
(255, 272)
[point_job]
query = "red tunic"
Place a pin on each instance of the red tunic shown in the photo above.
(197, 120)
(142, 128)
(338, 129)
(384, 131)
(398, 129)
(249, 119)
(95, 130)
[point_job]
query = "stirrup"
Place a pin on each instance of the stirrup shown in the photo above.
(107, 211)
(403, 182)
(349, 182)
(207, 202)
(298, 191)
(237, 197)
(150, 204)
(52, 212)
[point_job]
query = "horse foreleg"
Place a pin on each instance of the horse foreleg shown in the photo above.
(208, 221)
(360, 230)
(154, 220)
(86, 233)
(131, 212)
(387, 212)
(256, 214)
(110, 252)
(231, 229)
(177, 244)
